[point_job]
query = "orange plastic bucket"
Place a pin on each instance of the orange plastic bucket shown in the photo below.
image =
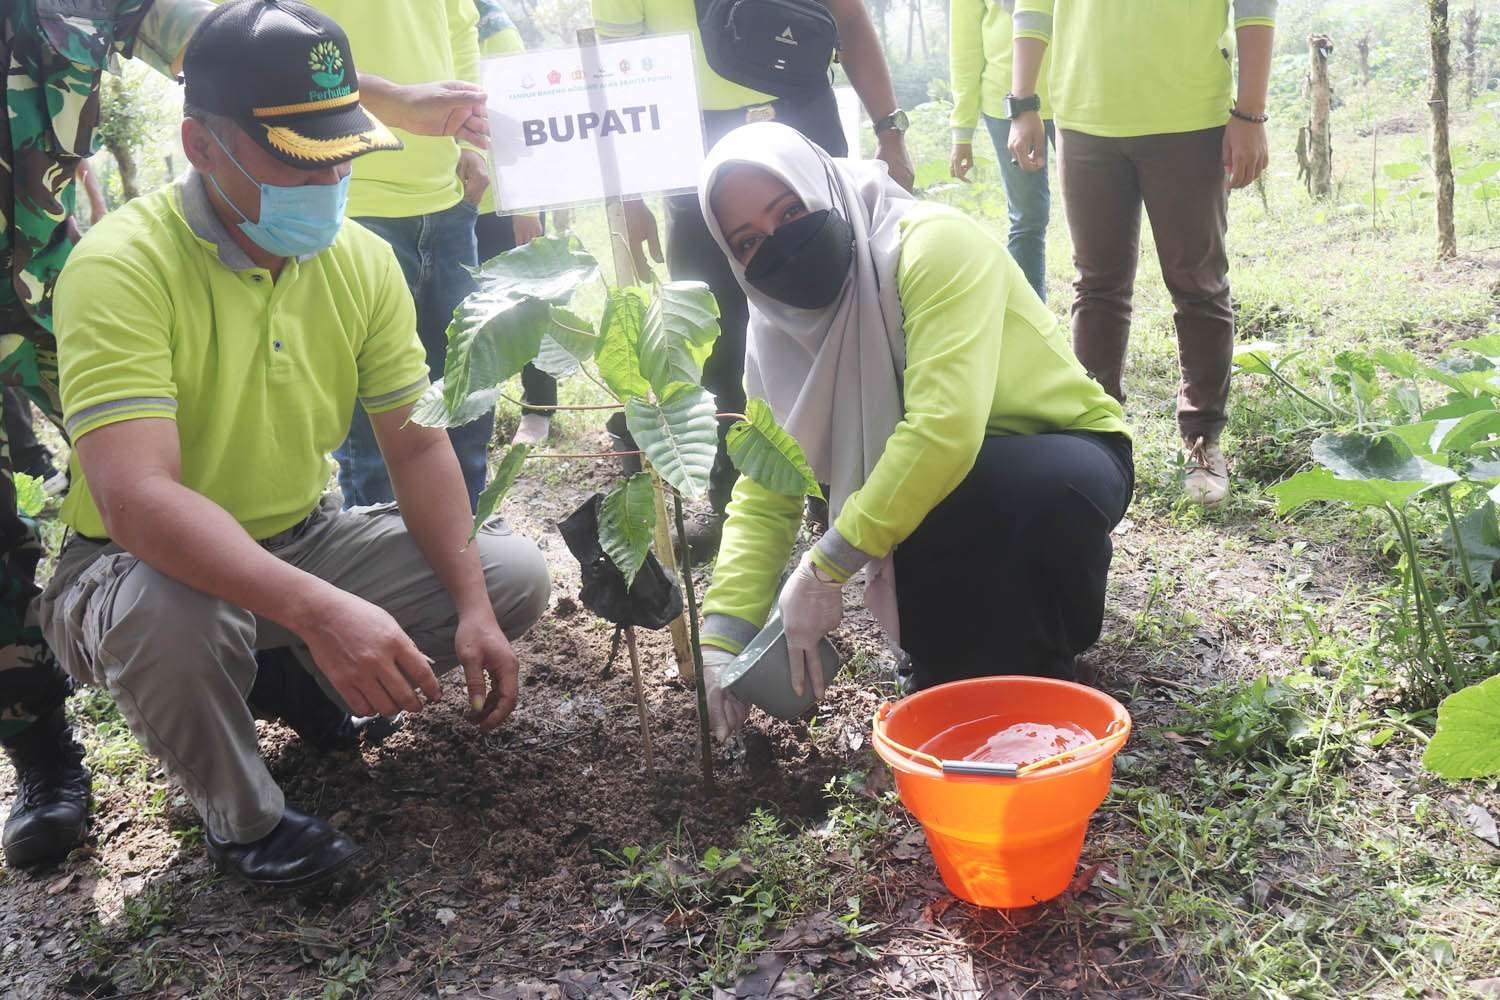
(1002, 840)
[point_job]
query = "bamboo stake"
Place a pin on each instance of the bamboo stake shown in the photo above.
(640, 698)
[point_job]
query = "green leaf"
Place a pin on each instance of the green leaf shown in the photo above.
(1384, 458)
(1360, 370)
(549, 268)
(931, 172)
(618, 354)
(679, 436)
(1402, 364)
(1480, 172)
(1467, 741)
(1401, 171)
(1460, 406)
(1470, 430)
(500, 484)
(1262, 357)
(491, 338)
(1451, 370)
(627, 519)
(567, 344)
(760, 449)
(1422, 437)
(681, 326)
(431, 410)
(1480, 533)
(1320, 484)
(30, 497)
(1487, 347)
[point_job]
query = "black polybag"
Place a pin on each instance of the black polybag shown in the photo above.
(653, 600)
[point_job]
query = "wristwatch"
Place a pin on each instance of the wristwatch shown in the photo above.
(896, 122)
(1016, 106)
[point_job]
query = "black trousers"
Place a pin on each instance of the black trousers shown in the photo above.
(1007, 575)
(692, 255)
(496, 234)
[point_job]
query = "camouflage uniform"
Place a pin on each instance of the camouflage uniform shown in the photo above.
(54, 53)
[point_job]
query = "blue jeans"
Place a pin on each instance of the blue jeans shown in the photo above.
(433, 251)
(1029, 200)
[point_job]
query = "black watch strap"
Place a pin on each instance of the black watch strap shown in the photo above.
(1015, 106)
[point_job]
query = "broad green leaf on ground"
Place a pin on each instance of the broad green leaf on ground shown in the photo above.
(681, 326)
(1469, 431)
(627, 519)
(567, 344)
(1486, 347)
(1451, 369)
(1480, 533)
(1320, 484)
(491, 338)
(1424, 436)
(549, 268)
(1402, 364)
(679, 436)
(1360, 371)
(1262, 357)
(501, 481)
(618, 353)
(1402, 171)
(760, 449)
(1460, 406)
(30, 496)
(431, 410)
(1467, 741)
(1383, 459)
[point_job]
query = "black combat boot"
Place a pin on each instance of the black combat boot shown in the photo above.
(50, 815)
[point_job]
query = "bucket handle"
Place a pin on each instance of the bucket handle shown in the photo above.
(991, 769)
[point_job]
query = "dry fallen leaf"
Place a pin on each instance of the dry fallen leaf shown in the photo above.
(1486, 987)
(61, 884)
(937, 908)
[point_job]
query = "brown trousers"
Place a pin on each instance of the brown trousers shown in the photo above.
(1180, 180)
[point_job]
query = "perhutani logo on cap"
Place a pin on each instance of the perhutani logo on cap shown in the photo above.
(786, 37)
(327, 65)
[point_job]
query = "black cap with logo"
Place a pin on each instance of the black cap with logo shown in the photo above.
(283, 72)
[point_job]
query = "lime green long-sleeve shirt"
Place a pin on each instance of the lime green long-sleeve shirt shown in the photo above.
(979, 63)
(984, 356)
(409, 41)
(1139, 67)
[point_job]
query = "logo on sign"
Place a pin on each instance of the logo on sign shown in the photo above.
(624, 65)
(554, 78)
(786, 37)
(578, 74)
(646, 64)
(527, 82)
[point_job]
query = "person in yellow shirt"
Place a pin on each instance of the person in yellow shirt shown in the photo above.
(1148, 114)
(691, 254)
(414, 200)
(975, 470)
(213, 339)
(979, 72)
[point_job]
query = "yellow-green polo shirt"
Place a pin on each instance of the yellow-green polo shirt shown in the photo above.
(1139, 67)
(497, 37)
(979, 63)
(409, 41)
(160, 314)
(629, 18)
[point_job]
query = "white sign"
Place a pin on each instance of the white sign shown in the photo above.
(578, 125)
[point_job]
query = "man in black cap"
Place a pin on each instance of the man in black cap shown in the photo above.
(213, 340)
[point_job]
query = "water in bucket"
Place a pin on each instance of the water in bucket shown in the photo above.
(996, 739)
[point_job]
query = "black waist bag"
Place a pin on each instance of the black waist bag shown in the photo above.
(780, 47)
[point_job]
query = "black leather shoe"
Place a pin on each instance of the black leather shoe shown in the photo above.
(285, 691)
(302, 851)
(50, 815)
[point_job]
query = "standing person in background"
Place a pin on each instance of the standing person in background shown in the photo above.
(691, 252)
(414, 200)
(52, 110)
(496, 234)
(979, 60)
(1147, 114)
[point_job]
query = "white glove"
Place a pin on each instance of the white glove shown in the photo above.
(726, 713)
(812, 605)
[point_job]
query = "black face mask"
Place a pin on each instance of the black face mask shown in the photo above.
(805, 263)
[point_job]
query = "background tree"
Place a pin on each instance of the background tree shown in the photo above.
(1442, 158)
(136, 118)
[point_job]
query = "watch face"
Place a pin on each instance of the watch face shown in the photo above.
(899, 121)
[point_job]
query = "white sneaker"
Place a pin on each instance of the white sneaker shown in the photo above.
(534, 429)
(1207, 480)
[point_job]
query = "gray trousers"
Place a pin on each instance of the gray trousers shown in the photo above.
(180, 663)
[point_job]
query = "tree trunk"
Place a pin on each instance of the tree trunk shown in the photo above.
(125, 157)
(1442, 159)
(911, 24)
(922, 29)
(1470, 39)
(1364, 60)
(1319, 146)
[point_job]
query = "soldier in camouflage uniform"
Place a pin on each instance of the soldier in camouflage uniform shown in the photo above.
(54, 53)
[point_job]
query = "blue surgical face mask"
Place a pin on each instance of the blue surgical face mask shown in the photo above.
(294, 221)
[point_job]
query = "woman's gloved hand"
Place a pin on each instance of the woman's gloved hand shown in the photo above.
(726, 713)
(812, 605)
